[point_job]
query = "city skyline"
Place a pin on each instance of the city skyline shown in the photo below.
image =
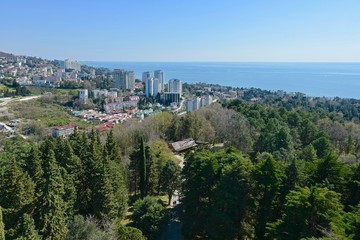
(181, 31)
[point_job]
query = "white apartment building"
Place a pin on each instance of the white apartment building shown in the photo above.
(161, 76)
(175, 85)
(72, 64)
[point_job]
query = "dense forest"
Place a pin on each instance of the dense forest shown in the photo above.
(279, 168)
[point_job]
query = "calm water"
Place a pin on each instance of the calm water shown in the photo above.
(313, 79)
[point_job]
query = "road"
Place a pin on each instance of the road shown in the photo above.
(173, 231)
(5, 101)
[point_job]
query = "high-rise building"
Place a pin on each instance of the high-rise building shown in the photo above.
(123, 79)
(160, 75)
(156, 87)
(175, 85)
(83, 95)
(146, 76)
(72, 64)
(206, 100)
(149, 87)
(168, 98)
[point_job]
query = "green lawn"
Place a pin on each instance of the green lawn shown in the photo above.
(49, 114)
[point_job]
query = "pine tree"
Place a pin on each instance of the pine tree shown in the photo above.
(104, 200)
(2, 227)
(269, 178)
(17, 193)
(310, 213)
(34, 168)
(26, 229)
(112, 149)
(52, 208)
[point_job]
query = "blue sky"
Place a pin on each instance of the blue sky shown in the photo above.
(183, 30)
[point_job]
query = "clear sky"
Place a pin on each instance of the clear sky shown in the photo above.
(183, 30)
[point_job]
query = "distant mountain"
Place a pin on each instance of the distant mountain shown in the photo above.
(2, 54)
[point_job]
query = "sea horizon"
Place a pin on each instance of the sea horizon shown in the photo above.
(317, 79)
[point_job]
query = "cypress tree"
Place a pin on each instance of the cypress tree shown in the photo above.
(142, 166)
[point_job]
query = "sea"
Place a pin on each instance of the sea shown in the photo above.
(313, 79)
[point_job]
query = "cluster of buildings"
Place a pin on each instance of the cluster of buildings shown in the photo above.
(167, 94)
(94, 115)
(120, 104)
(196, 103)
(40, 72)
(72, 64)
(154, 82)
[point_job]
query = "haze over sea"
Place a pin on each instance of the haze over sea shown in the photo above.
(313, 79)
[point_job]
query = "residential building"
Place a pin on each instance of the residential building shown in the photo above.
(167, 98)
(72, 64)
(149, 87)
(175, 85)
(195, 103)
(118, 104)
(83, 95)
(206, 100)
(123, 79)
(156, 87)
(104, 93)
(146, 76)
(160, 75)
(63, 131)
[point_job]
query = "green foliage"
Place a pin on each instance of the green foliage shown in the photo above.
(232, 214)
(322, 146)
(310, 212)
(274, 137)
(330, 172)
(25, 229)
(170, 178)
(149, 216)
(86, 229)
(52, 209)
(269, 180)
(129, 233)
(2, 227)
(17, 193)
(353, 219)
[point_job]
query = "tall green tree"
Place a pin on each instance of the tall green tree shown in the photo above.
(353, 220)
(52, 209)
(2, 227)
(200, 174)
(112, 148)
(269, 180)
(34, 168)
(149, 216)
(170, 178)
(25, 229)
(104, 200)
(310, 212)
(17, 194)
(330, 172)
(353, 186)
(233, 211)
